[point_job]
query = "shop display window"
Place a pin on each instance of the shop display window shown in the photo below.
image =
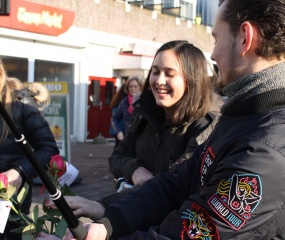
(16, 67)
(49, 71)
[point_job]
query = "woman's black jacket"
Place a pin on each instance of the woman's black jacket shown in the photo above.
(154, 144)
(35, 128)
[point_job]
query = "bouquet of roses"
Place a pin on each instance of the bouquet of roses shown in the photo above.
(51, 222)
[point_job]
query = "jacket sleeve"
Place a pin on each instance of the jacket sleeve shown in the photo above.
(197, 133)
(152, 202)
(124, 161)
(235, 202)
(117, 117)
(39, 136)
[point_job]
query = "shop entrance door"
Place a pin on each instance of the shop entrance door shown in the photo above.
(100, 93)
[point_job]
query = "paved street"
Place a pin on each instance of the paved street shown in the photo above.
(94, 180)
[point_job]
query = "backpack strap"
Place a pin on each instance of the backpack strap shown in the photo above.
(203, 136)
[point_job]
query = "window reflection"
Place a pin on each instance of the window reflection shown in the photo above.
(48, 71)
(16, 67)
(110, 90)
(94, 93)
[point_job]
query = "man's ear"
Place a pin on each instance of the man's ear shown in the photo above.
(249, 37)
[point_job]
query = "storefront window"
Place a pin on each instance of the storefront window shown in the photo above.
(16, 67)
(49, 71)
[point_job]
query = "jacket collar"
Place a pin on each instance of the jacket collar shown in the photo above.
(147, 108)
(260, 103)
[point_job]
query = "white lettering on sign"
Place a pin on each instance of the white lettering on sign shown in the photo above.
(51, 110)
(43, 18)
(53, 87)
(56, 105)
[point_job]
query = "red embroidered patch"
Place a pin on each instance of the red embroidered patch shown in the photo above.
(198, 225)
(208, 159)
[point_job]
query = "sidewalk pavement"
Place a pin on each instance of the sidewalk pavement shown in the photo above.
(94, 181)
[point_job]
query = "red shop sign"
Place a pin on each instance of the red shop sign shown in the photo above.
(37, 18)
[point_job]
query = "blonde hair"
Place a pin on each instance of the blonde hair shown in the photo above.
(40, 94)
(14, 83)
(6, 98)
(7, 87)
(38, 91)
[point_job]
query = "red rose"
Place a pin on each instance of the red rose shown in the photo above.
(3, 181)
(57, 166)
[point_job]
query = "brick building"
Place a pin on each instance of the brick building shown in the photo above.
(105, 41)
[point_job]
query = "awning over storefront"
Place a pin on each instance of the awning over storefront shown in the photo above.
(134, 59)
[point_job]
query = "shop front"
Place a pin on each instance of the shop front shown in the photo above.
(100, 93)
(39, 44)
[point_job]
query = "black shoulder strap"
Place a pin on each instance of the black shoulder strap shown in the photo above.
(202, 137)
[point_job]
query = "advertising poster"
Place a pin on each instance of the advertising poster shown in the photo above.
(57, 116)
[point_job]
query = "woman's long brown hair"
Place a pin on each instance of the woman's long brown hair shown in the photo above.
(198, 96)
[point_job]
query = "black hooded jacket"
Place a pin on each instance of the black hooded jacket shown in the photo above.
(32, 124)
(156, 144)
(231, 188)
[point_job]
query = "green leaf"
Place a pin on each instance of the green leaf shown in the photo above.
(14, 218)
(4, 195)
(61, 228)
(66, 191)
(54, 220)
(53, 212)
(35, 214)
(11, 191)
(26, 218)
(28, 232)
(40, 226)
(23, 193)
(15, 203)
(45, 218)
(18, 230)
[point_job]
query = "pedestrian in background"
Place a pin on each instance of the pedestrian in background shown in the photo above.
(22, 104)
(125, 109)
(117, 98)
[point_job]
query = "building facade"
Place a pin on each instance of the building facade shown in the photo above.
(105, 42)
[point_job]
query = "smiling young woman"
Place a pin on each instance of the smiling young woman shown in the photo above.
(174, 114)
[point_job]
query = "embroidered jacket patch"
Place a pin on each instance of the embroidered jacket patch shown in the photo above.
(198, 225)
(237, 198)
(207, 161)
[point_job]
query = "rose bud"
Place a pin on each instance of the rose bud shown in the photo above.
(57, 166)
(3, 181)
